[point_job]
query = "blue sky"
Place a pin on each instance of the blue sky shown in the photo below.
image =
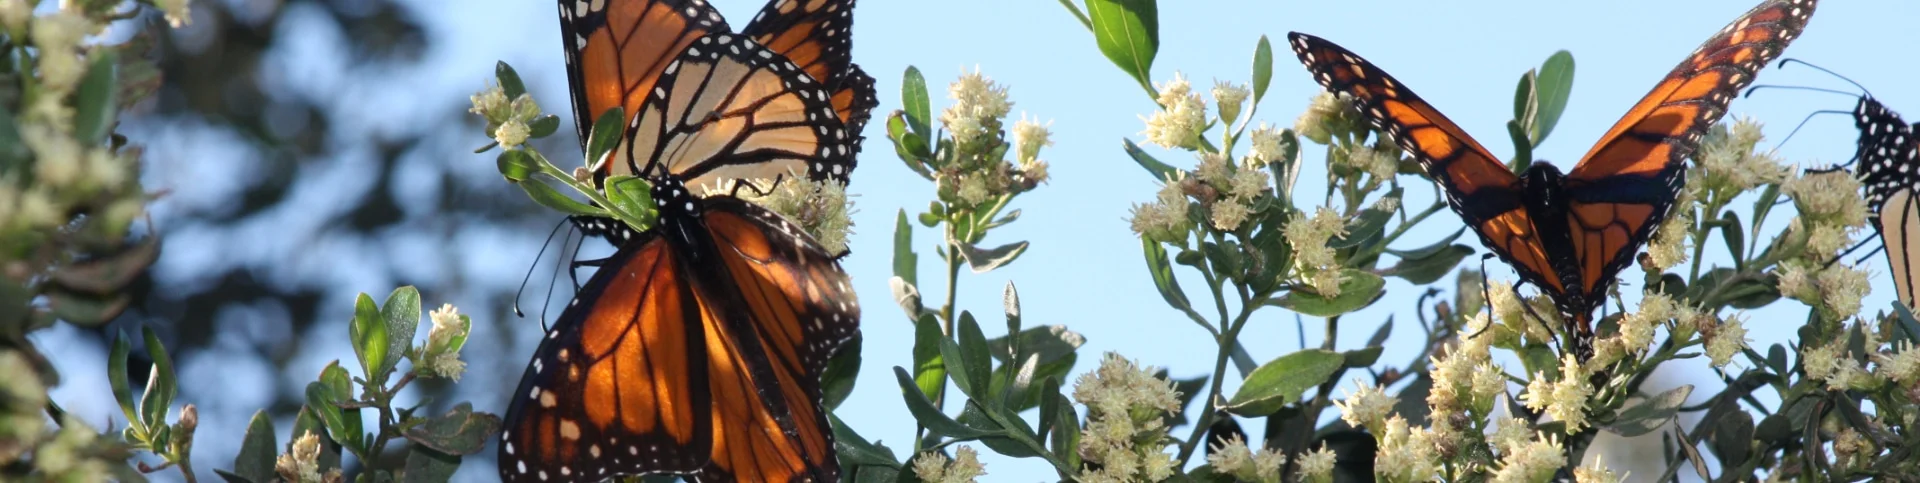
(1084, 269)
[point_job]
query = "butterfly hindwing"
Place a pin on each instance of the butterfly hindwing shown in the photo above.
(617, 49)
(610, 390)
(729, 109)
(1483, 191)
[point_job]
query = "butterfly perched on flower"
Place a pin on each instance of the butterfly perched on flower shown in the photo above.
(697, 348)
(1570, 234)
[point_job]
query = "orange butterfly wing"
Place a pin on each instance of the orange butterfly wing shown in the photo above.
(1622, 188)
(816, 35)
(617, 49)
(1478, 187)
(700, 358)
(729, 109)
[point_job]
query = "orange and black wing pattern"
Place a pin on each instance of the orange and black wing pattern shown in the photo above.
(817, 36)
(697, 349)
(1889, 172)
(1486, 195)
(730, 109)
(617, 49)
(1622, 188)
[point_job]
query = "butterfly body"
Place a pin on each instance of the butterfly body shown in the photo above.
(1889, 173)
(1569, 234)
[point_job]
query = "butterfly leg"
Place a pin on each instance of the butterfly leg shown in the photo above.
(740, 184)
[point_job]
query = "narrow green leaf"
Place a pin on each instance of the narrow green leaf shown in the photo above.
(1429, 250)
(929, 416)
(161, 384)
(424, 465)
(368, 331)
(1422, 271)
(544, 195)
(1553, 86)
(1283, 380)
(1362, 358)
(976, 416)
(1359, 290)
(856, 451)
(1522, 148)
(516, 165)
(321, 399)
(1526, 100)
(85, 309)
(95, 106)
(1066, 431)
(1162, 273)
(914, 100)
(460, 431)
(1735, 234)
(608, 129)
(906, 264)
(543, 126)
(929, 362)
(401, 314)
(1368, 223)
(986, 260)
(1380, 335)
(257, 450)
(633, 195)
(117, 377)
(509, 80)
(1262, 68)
(911, 148)
(1777, 359)
(836, 383)
(1128, 33)
(1160, 171)
(1644, 416)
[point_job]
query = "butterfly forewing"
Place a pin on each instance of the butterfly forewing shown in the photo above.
(729, 109)
(616, 49)
(1889, 172)
(814, 34)
(1621, 190)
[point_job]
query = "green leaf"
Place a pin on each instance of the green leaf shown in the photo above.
(425, 465)
(632, 195)
(929, 362)
(1777, 359)
(1526, 99)
(257, 450)
(914, 100)
(911, 148)
(1644, 416)
(837, 381)
(1424, 271)
(971, 354)
(509, 80)
(117, 377)
(1283, 380)
(1368, 223)
(1262, 68)
(1362, 358)
(94, 104)
(608, 129)
(929, 416)
(544, 195)
(1732, 437)
(983, 261)
(1128, 33)
(1522, 148)
(975, 415)
(905, 263)
(1735, 235)
(1160, 171)
(516, 165)
(322, 399)
(307, 421)
(368, 331)
(13, 151)
(1429, 250)
(1162, 273)
(1552, 87)
(1066, 431)
(401, 313)
(543, 126)
(86, 310)
(1380, 335)
(1359, 290)
(856, 451)
(1907, 322)
(1050, 342)
(161, 384)
(460, 431)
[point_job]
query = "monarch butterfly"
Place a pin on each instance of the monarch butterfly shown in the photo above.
(1889, 157)
(1570, 234)
(618, 50)
(697, 348)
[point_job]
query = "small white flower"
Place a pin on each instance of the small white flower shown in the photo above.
(1566, 398)
(14, 14)
(1534, 461)
(1229, 97)
(1903, 366)
(933, 467)
(511, 134)
(440, 357)
(1317, 465)
(978, 106)
(1367, 407)
(301, 464)
(1266, 145)
(178, 12)
(1029, 137)
(1725, 340)
(1598, 472)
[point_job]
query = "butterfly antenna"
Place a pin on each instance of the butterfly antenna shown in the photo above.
(545, 302)
(536, 262)
(1750, 90)
(1803, 123)
(1486, 296)
(1783, 64)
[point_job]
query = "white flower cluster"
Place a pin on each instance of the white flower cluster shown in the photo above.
(1126, 435)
